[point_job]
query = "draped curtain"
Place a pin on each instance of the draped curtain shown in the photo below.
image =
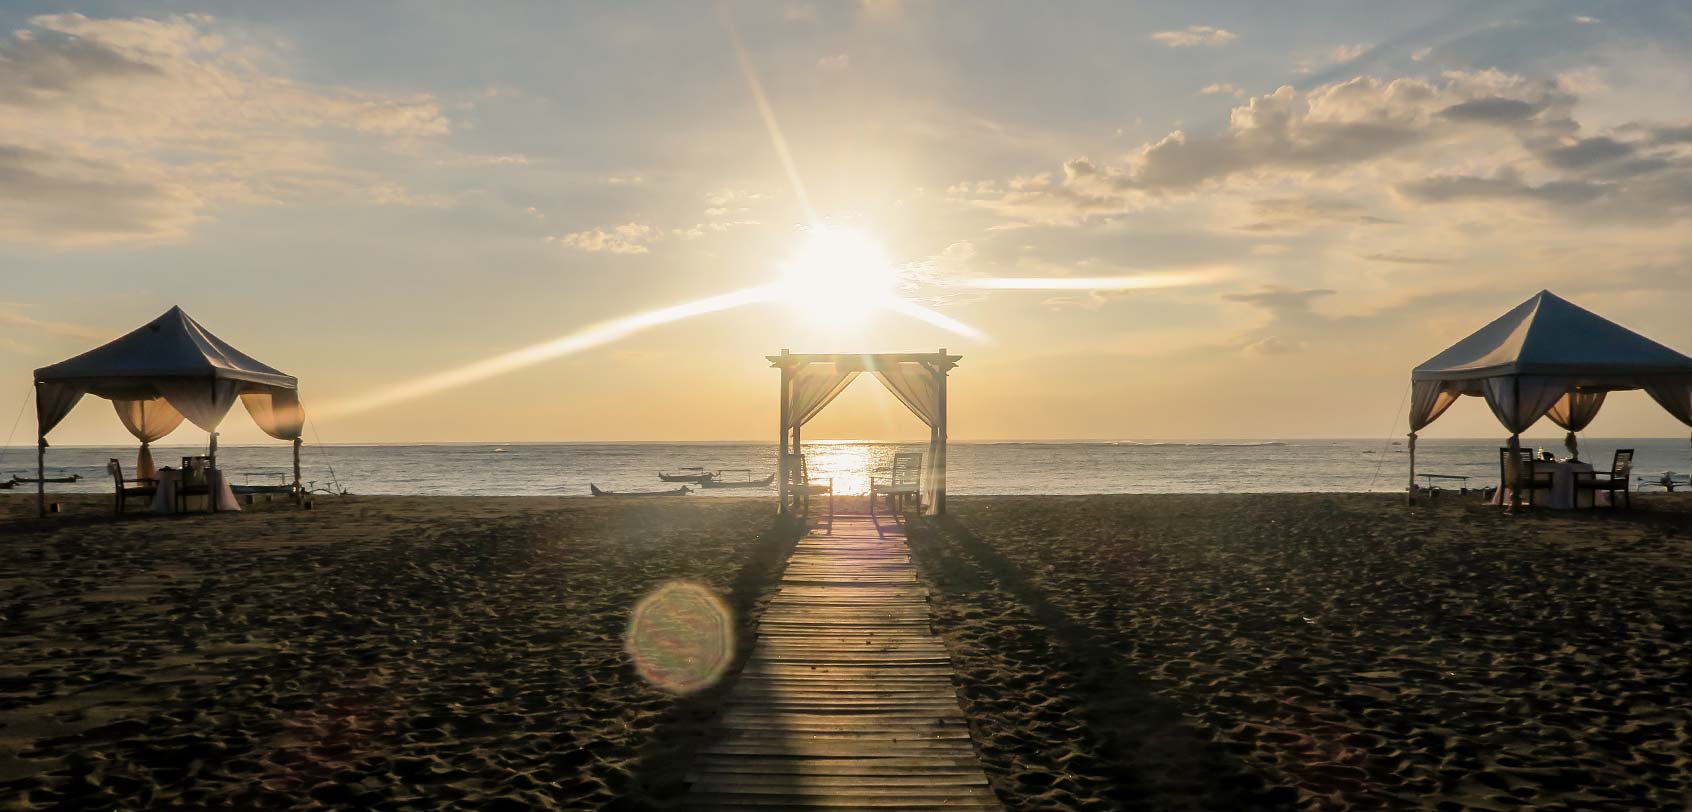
(278, 413)
(148, 420)
(52, 402)
(203, 401)
(1428, 400)
(1674, 394)
(812, 387)
(1574, 412)
(1518, 401)
(916, 386)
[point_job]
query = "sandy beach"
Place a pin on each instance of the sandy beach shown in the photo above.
(1319, 652)
(1138, 652)
(374, 653)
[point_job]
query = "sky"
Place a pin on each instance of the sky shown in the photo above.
(1229, 220)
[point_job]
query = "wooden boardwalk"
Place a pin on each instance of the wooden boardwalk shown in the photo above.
(847, 701)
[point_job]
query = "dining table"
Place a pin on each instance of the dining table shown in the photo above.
(1562, 495)
(164, 499)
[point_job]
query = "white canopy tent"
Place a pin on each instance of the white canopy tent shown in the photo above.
(1547, 357)
(918, 380)
(168, 370)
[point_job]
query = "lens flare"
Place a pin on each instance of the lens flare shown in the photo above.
(588, 338)
(681, 637)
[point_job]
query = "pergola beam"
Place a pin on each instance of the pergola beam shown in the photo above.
(866, 362)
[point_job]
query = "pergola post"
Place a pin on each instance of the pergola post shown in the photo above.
(781, 460)
(298, 494)
(1515, 445)
(211, 471)
(940, 468)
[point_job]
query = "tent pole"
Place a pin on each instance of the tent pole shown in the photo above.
(40, 458)
(211, 465)
(1515, 467)
(1410, 498)
(781, 459)
(940, 470)
(297, 495)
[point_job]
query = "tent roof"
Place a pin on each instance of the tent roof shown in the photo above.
(170, 346)
(1548, 335)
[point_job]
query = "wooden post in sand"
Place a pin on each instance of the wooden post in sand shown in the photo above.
(781, 459)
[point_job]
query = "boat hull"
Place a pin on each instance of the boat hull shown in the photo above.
(682, 491)
(756, 483)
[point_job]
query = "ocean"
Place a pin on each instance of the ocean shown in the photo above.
(566, 469)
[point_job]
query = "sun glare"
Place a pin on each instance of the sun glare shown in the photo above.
(838, 277)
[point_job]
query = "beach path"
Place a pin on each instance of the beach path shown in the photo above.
(847, 701)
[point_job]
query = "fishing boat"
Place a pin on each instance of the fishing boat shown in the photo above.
(71, 478)
(681, 491)
(718, 482)
(8, 485)
(693, 474)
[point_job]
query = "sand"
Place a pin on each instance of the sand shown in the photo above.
(1138, 652)
(1319, 652)
(378, 653)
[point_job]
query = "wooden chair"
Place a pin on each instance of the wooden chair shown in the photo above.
(904, 487)
(194, 480)
(1614, 482)
(127, 488)
(1526, 476)
(801, 488)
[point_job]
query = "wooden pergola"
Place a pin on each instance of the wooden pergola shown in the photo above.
(917, 379)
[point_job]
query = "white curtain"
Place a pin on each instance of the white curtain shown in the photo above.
(1574, 412)
(203, 401)
(1674, 394)
(1428, 400)
(277, 412)
(52, 402)
(1518, 401)
(916, 386)
(811, 388)
(148, 420)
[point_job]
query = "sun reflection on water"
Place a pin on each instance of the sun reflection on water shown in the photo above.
(851, 463)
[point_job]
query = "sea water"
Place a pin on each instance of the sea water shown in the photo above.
(1125, 466)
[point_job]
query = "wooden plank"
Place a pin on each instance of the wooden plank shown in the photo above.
(848, 700)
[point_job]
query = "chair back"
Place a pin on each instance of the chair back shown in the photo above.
(907, 469)
(797, 473)
(115, 468)
(1623, 463)
(194, 470)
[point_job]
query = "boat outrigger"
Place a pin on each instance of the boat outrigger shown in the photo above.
(718, 482)
(681, 491)
(71, 478)
(693, 474)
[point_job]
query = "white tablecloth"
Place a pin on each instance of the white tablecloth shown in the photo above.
(1562, 493)
(164, 501)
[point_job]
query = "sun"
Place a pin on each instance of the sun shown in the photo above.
(839, 277)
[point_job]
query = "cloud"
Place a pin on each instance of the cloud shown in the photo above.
(13, 315)
(628, 238)
(1468, 135)
(1584, 20)
(132, 129)
(834, 64)
(1293, 214)
(1220, 88)
(1194, 35)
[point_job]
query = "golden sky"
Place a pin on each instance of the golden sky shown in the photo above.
(591, 222)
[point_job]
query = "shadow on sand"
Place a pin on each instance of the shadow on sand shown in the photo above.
(1061, 719)
(691, 722)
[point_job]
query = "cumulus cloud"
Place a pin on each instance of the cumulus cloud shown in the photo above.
(130, 129)
(1194, 35)
(1428, 136)
(628, 238)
